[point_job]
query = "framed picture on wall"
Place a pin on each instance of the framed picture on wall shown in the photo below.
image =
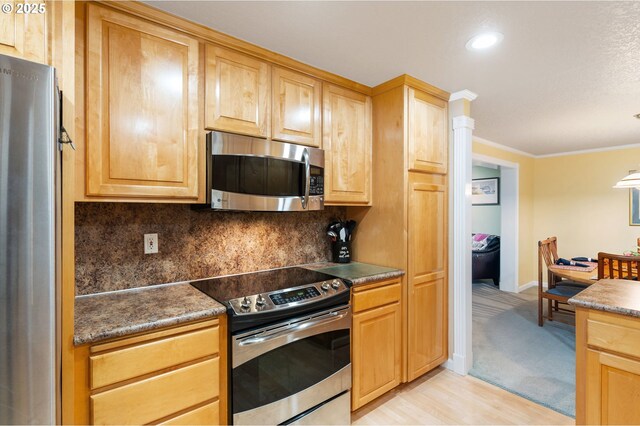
(634, 207)
(486, 192)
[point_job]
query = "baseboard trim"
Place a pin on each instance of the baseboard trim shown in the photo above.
(525, 286)
(458, 364)
(448, 364)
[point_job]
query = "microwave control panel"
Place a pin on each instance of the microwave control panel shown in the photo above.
(316, 186)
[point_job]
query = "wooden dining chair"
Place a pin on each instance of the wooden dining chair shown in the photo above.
(550, 254)
(558, 291)
(618, 266)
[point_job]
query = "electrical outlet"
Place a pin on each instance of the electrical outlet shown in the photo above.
(150, 243)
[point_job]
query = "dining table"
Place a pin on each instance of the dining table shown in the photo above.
(583, 277)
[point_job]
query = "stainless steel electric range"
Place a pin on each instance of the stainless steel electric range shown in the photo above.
(289, 335)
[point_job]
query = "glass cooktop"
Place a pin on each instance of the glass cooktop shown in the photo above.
(224, 289)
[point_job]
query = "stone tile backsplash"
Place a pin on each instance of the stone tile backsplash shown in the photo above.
(192, 244)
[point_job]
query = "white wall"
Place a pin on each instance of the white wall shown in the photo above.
(486, 219)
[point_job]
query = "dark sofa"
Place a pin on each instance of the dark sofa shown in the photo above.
(485, 263)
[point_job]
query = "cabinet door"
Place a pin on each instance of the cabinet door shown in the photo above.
(24, 35)
(296, 108)
(427, 274)
(237, 93)
(427, 133)
(347, 145)
(142, 109)
(613, 389)
(377, 353)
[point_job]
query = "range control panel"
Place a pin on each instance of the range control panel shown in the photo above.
(287, 298)
(294, 295)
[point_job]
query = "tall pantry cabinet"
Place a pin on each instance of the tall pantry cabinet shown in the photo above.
(407, 226)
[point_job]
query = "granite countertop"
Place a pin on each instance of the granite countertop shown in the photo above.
(119, 313)
(615, 296)
(103, 316)
(356, 272)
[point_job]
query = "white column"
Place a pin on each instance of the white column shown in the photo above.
(460, 225)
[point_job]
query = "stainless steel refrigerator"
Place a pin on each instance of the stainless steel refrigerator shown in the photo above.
(29, 244)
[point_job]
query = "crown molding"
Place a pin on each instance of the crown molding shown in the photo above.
(590, 151)
(557, 154)
(463, 94)
(407, 80)
(502, 147)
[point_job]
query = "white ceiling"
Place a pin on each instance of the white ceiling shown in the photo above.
(566, 76)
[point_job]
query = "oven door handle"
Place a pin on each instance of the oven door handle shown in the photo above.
(292, 328)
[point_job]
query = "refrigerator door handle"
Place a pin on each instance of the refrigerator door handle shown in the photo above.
(63, 135)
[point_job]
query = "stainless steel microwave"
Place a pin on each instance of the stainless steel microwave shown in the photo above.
(246, 173)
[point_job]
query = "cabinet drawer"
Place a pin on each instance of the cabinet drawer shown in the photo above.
(157, 397)
(613, 333)
(206, 415)
(376, 297)
(123, 364)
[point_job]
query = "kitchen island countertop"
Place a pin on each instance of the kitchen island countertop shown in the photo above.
(357, 272)
(103, 316)
(615, 296)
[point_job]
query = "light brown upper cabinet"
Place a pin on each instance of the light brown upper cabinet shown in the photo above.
(237, 93)
(23, 30)
(296, 108)
(347, 145)
(143, 138)
(427, 132)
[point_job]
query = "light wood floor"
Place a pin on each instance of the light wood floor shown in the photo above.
(443, 397)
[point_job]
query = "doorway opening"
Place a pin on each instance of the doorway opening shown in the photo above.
(505, 216)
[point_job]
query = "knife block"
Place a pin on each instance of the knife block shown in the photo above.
(341, 251)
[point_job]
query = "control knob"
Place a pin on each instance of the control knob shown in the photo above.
(326, 286)
(246, 303)
(335, 284)
(260, 300)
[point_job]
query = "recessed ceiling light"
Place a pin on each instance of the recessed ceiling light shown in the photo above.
(484, 41)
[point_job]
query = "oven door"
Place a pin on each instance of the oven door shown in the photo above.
(283, 370)
(246, 173)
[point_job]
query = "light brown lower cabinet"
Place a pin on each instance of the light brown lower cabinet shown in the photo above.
(171, 376)
(607, 368)
(377, 341)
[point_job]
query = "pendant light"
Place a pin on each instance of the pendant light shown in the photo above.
(630, 181)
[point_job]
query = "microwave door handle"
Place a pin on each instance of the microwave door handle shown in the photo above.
(307, 175)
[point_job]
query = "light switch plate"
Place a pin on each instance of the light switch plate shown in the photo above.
(150, 243)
